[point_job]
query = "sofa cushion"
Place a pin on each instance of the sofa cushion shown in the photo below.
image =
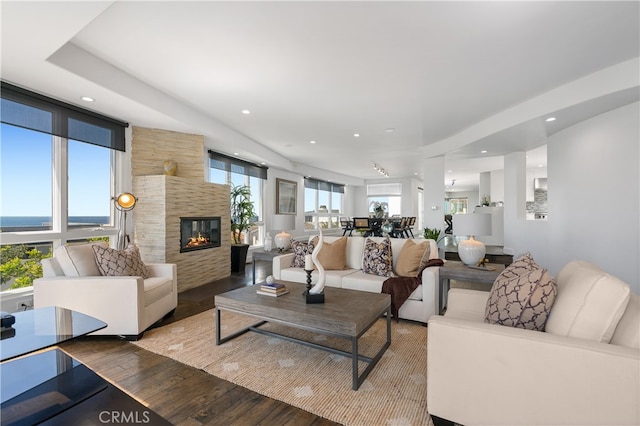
(589, 304)
(78, 260)
(333, 255)
(372, 283)
(300, 250)
(119, 263)
(377, 258)
(410, 258)
(523, 301)
(155, 288)
(332, 278)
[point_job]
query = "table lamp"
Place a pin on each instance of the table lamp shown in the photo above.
(471, 251)
(284, 222)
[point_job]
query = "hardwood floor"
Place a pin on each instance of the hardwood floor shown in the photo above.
(181, 394)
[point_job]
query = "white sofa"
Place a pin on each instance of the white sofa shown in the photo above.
(128, 304)
(422, 303)
(570, 374)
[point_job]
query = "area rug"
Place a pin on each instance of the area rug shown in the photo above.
(317, 381)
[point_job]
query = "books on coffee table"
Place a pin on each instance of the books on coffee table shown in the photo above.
(274, 289)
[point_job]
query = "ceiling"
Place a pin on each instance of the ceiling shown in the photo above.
(412, 79)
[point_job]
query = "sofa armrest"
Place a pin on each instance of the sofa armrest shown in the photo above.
(466, 304)
(95, 296)
(281, 262)
(480, 374)
(162, 269)
(430, 290)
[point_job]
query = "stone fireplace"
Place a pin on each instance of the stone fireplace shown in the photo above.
(164, 200)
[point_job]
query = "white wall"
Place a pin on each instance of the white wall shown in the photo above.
(594, 192)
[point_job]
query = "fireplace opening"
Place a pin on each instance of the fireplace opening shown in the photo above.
(197, 233)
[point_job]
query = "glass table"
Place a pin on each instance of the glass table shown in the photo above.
(44, 327)
(52, 388)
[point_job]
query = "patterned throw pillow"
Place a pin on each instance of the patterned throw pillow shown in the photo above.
(377, 258)
(120, 263)
(521, 296)
(521, 265)
(300, 250)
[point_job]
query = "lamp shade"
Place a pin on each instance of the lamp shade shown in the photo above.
(472, 224)
(282, 222)
(125, 201)
(471, 251)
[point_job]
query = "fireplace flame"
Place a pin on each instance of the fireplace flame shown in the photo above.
(198, 241)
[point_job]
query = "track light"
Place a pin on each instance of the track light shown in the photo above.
(380, 170)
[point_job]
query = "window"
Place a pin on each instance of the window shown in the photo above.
(322, 204)
(232, 171)
(455, 205)
(26, 173)
(57, 174)
(89, 185)
(388, 195)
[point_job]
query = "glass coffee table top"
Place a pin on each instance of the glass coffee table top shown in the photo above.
(43, 327)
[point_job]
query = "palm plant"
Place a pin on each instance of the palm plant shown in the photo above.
(432, 234)
(242, 212)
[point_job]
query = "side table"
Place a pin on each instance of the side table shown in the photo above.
(265, 255)
(452, 270)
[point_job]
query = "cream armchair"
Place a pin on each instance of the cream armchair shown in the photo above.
(583, 370)
(129, 305)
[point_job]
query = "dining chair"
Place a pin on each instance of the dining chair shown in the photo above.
(410, 224)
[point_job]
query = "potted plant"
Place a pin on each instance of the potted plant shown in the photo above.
(434, 234)
(379, 208)
(242, 219)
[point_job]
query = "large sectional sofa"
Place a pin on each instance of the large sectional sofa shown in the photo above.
(422, 303)
(583, 369)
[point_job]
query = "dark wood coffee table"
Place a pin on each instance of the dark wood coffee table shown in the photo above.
(346, 314)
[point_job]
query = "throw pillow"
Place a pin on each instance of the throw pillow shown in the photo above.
(332, 256)
(523, 301)
(412, 257)
(77, 260)
(520, 266)
(377, 259)
(300, 250)
(120, 263)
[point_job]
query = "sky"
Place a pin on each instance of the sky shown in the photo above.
(26, 175)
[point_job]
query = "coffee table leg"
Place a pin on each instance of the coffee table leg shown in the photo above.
(354, 363)
(217, 326)
(254, 269)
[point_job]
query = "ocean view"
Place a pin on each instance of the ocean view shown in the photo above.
(30, 221)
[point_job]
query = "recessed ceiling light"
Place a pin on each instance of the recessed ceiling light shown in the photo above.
(312, 141)
(390, 130)
(449, 171)
(235, 153)
(550, 119)
(484, 151)
(415, 173)
(263, 163)
(356, 135)
(87, 99)
(246, 111)
(540, 165)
